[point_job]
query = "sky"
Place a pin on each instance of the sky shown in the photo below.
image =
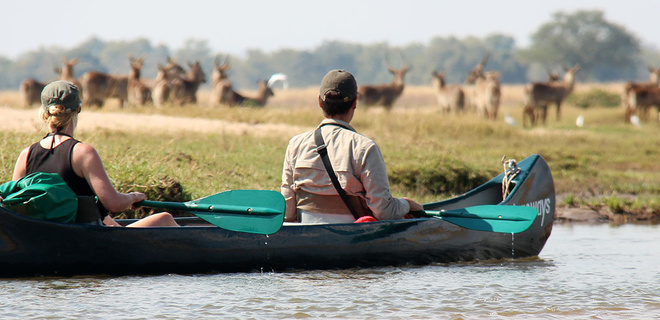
(237, 26)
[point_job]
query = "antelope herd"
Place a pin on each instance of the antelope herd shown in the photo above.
(481, 93)
(172, 85)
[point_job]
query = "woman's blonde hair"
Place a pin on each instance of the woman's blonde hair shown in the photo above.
(56, 116)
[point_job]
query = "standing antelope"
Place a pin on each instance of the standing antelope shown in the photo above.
(630, 91)
(258, 100)
(184, 90)
(384, 94)
(138, 93)
(470, 89)
(163, 83)
(67, 74)
(221, 87)
(97, 86)
(643, 98)
(30, 91)
(487, 94)
(449, 97)
(541, 94)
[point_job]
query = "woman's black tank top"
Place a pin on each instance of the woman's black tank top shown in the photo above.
(58, 160)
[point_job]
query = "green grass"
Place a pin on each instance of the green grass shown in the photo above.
(430, 155)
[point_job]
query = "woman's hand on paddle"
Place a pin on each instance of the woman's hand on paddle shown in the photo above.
(137, 196)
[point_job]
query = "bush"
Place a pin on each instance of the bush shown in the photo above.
(594, 97)
(443, 177)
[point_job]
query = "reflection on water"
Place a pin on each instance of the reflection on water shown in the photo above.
(584, 271)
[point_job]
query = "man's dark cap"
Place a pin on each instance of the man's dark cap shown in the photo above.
(341, 84)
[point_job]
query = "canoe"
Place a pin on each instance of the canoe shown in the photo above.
(30, 247)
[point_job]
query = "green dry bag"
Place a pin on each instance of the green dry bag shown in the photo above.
(41, 195)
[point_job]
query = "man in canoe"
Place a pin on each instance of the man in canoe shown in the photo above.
(356, 161)
(76, 162)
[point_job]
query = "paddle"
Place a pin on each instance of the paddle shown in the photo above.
(493, 218)
(253, 211)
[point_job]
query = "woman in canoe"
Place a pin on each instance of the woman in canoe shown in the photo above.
(78, 163)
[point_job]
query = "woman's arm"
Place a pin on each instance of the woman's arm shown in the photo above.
(87, 163)
(21, 165)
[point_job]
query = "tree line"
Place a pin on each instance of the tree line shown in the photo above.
(605, 51)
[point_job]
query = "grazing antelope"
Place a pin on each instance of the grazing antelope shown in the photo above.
(487, 94)
(138, 92)
(384, 94)
(541, 94)
(630, 92)
(450, 97)
(221, 87)
(258, 100)
(184, 90)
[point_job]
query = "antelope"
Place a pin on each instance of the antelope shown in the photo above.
(641, 99)
(221, 87)
(258, 100)
(630, 92)
(384, 94)
(161, 91)
(30, 91)
(163, 83)
(449, 97)
(138, 92)
(488, 93)
(470, 89)
(184, 90)
(97, 86)
(532, 113)
(66, 73)
(541, 94)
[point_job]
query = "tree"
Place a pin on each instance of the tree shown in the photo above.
(604, 50)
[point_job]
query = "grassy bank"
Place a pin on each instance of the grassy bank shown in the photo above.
(430, 156)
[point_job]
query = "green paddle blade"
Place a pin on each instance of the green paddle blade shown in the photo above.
(263, 210)
(492, 218)
(253, 211)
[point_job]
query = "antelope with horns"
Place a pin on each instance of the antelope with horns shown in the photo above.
(221, 91)
(470, 89)
(184, 90)
(487, 94)
(138, 93)
(163, 83)
(541, 94)
(384, 94)
(258, 100)
(66, 73)
(636, 92)
(450, 97)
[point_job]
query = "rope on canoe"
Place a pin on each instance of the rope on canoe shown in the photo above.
(511, 170)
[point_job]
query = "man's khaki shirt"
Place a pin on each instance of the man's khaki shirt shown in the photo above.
(358, 164)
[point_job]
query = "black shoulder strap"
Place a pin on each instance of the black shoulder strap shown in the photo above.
(323, 152)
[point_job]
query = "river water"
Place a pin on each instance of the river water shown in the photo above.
(584, 272)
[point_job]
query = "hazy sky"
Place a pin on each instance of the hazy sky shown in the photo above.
(235, 26)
